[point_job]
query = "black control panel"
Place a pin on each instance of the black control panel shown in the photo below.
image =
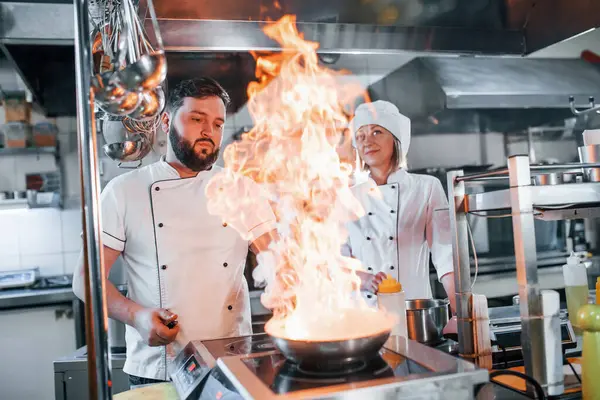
(189, 373)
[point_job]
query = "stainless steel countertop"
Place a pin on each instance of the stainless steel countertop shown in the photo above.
(16, 298)
(78, 361)
(19, 298)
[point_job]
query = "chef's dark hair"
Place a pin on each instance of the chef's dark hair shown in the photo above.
(198, 88)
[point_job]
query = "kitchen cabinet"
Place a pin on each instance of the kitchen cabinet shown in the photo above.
(71, 375)
(31, 339)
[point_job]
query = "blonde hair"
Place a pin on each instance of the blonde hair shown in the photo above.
(398, 160)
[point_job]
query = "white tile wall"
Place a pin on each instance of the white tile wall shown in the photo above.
(40, 232)
(45, 238)
(9, 234)
(70, 261)
(49, 264)
(9, 262)
(71, 230)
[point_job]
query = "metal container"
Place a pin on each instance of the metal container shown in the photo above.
(548, 179)
(426, 319)
(590, 154)
(319, 355)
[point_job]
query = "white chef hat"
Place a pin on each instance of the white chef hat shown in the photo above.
(386, 115)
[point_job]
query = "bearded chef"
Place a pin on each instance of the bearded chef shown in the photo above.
(406, 215)
(182, 263)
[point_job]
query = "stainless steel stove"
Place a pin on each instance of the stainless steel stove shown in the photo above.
(250, 367)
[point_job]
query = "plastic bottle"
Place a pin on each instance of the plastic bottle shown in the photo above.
(598, 290)
(576, 288)
(589, 321)
(391, 298)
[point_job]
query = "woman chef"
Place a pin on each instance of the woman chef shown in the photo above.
(406, 217)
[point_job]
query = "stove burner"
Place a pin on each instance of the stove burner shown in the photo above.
(291, 377)
(332, 370)
(245, 346)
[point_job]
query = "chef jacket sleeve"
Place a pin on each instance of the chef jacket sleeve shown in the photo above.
(437, 230)
(259, 217)
(346, 249)
(113, 227)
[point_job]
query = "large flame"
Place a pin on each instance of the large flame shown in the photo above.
(300, 110)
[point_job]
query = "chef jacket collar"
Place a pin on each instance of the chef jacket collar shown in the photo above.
(397, 176)
(173, 174)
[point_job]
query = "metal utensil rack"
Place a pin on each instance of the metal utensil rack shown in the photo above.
(523, 202)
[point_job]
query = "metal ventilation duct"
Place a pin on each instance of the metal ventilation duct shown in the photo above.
(37, 34)
(473, 94)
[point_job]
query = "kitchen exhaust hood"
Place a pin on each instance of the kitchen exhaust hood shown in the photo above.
(38, 36)
(479, 94)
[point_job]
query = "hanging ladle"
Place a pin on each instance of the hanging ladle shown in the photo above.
(149, 70)
(110, 95)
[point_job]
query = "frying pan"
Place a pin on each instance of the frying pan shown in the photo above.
(332, 354)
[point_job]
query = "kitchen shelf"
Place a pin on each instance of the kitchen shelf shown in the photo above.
(13, 204)
(4, 151)
(559, 197)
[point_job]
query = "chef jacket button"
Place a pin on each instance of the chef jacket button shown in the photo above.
(163, 267)
(157, 188)
(391, 238)
(230, 308)
(224, 224)
(393, 187)
(392, 211)
(225, 264)
(369, 296)
(160, 225)
(370, 269)
(391, 267)
(370, 213)
(368, 238)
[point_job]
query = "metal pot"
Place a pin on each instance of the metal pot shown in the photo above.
(426, 319)
(590, 154)
(548, 179)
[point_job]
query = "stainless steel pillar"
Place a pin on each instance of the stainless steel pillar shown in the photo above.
(91, 193)
(532, 317)
(462, 265)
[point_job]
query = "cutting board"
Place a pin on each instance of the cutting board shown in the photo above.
(160, 391)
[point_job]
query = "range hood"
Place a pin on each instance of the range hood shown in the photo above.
(42, 51)
(479, 94)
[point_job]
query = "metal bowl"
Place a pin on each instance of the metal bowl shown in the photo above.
(426, 319)
(105, 89)
(147, 73)
(318, 355)
(133, 149)
(112, 98)
(153, 102)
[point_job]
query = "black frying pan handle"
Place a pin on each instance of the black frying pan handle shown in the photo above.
(172, 324)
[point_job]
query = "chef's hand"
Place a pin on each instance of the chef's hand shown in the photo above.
(151, 323)
(370, 282)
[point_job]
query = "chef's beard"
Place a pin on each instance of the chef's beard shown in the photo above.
(187, 155)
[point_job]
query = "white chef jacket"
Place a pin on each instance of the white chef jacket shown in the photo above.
(179, 257)
(405, 220)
